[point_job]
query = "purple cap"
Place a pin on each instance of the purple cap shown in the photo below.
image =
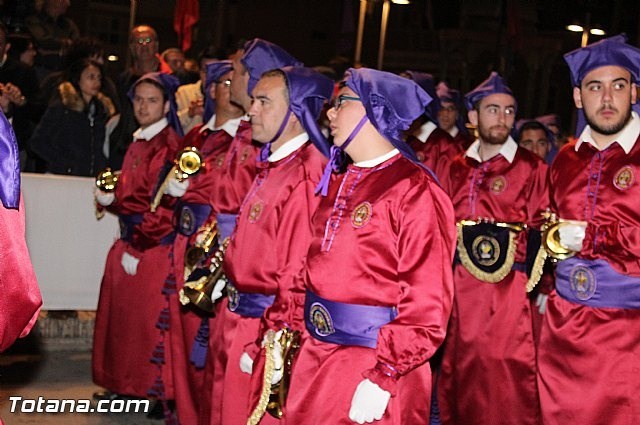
(427, 83)
(170, 85)
(549, 119)
(391, 102)
(308, 92)
(492, 85)
(215, 71)
(261, 56)
(446, 94)
(610, 51)
(10, 169)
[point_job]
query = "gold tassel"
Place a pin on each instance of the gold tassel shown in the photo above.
(538, 266)
(269, 367)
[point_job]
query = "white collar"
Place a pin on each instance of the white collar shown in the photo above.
(370, 163)
(152, 131)
(507, 150)
(230, 126)
(453, 132)
(289, 147)
(425, 131)
(626, 137)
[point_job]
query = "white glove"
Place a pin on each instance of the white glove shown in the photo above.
(129, 263)
(541, 303)
(369, 403)
(246, 363)
(104, 198)
(217, 289)
(572, 235)
(176, 188)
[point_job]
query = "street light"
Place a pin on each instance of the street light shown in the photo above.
(586, 30)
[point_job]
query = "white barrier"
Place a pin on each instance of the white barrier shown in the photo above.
(68, 246)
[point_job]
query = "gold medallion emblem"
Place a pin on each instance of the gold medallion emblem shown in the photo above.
(498, 185)
(220, 160)
(245, 153)
(233, 297)
(361, 215)
(624, 178)
(485, 250)
(321, 319)
(256, 211)
(583, 282)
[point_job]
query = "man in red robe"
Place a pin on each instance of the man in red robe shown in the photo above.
(589, 353)
(488, 371)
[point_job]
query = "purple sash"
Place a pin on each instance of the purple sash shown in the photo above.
(127, 228)
(345, 324)
(595, 283)
(247, 304)
(226, 224)
(189, 217)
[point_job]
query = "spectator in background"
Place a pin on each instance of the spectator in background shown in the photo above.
(52, 32)
(535, 137)
(175, 58)
(190, 97)
(71, 134)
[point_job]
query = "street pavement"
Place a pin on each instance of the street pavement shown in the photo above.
(30, 370)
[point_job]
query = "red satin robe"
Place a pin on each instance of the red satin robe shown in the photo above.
(438, 147)
(185, 320)
(20, 298)
(266, 251)
(384, 236)
(589, 358)
(125, 334)
(488, 373)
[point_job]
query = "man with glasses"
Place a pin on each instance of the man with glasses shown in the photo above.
(450, 115)
(499, 191)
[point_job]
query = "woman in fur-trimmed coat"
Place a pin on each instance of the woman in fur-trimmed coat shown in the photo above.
(71, 135)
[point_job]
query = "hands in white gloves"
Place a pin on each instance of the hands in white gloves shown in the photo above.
(104, 198)
(129, 263)
(246, 363)
(369, 403)
(176, 188)
(541, 303)
(277, 353)
(572, 235)
(217, 289)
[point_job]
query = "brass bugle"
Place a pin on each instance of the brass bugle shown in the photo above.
(551, 236)
(106, 180)
(200, 249)
(188, 162)
(290, 343)
(199, 293)
(515, 226)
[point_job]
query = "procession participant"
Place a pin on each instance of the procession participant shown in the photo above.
(126, 331)
(430, 143)
(450, 115)
(257, 57)
(535, 137)
(488, 372)
(587, 342)
(385, 232)
(20, 301)
(195, 215)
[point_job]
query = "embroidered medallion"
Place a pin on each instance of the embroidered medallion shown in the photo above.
(499, 184)
(624, 178)
(245, 153)
(361, 215)
(233, 296)
(583, 282)
(321, 319)
(256, 211)
(485, 250)
(220, 160)
(187, 221)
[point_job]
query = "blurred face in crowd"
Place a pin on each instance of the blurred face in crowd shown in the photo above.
(221, 92)
(240, 84)
(606, 94)
(3, 44)
(447, 115)
(58, 7)
(536, 141)
(143, 42)
(269, 106)
(149, 105)
(344, 116)
(175, 60)
(90, 82)
(28, 56)
(494, 117)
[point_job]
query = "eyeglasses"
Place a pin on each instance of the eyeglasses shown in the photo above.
(227, 82)
(144, 40)
(338, 101)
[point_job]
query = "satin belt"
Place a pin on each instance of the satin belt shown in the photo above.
(247, 304)
(226, 224)
(189, 217)
(595, 283)
(345, 324)
(127, 228)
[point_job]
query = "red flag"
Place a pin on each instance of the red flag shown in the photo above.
(187, 14)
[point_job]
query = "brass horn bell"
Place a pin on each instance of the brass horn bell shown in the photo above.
(551, 237)
(290, 343)
(199, 293)
(106, 180)
(189, 162)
